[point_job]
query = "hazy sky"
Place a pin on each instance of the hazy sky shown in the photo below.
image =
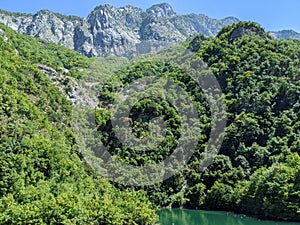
(271, 14)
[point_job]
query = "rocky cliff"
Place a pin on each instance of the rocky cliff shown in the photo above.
(107, 30)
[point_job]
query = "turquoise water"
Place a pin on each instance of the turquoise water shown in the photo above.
(199, 217)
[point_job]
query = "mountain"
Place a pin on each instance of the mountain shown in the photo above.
(107, 30)
(45, 178)
(125, 31)
(285, 34)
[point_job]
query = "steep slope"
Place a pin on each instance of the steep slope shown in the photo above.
(107, 30)
(43, 178)
(257, 170)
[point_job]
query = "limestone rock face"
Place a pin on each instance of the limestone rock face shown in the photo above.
(107, 30)
(110, 31)
(126, 31)
(45, 24)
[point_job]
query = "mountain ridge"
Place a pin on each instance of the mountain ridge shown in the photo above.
(125, 31)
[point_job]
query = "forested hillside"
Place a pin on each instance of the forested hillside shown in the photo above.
(260, 159)
(43, 179)
(257, 170)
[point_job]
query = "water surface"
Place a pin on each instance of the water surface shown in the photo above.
(199, 217)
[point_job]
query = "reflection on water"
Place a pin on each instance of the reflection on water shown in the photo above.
(199, 217)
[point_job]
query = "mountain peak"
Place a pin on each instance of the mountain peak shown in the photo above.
(104, 7)
(163, 10)
(44, 11)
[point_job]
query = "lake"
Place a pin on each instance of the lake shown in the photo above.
(199, 217)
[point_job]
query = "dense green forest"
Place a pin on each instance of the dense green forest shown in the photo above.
(257, 170)
(43, 179)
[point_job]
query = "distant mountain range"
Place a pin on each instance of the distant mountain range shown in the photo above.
(285, 34)
(125, 31)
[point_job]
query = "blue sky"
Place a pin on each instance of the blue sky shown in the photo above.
(271, 14)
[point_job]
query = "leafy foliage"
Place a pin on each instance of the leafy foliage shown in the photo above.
(260, 79)
(43, 178)
(257, 169)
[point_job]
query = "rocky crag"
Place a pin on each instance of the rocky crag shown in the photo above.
(107, 30)
(127, 31)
